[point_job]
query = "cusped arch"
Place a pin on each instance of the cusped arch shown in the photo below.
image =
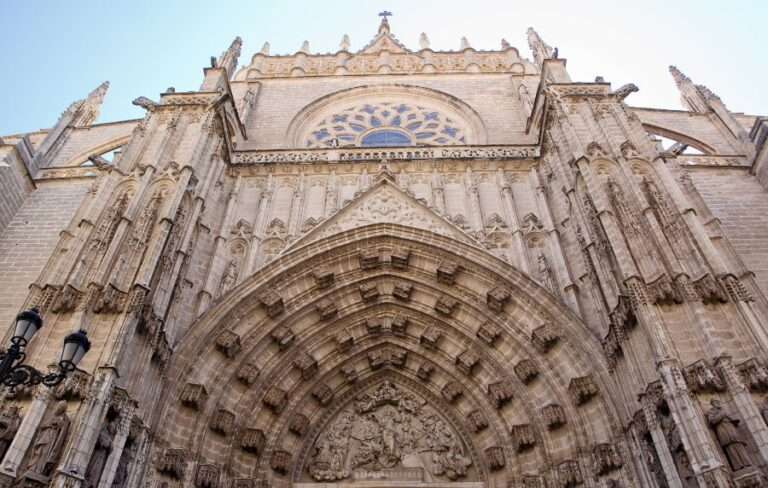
(286, 325)
(463, 117)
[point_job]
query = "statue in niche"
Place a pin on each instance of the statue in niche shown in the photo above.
(728, 436)
(49, 442)
(9, 424)
(385, 429)
(547, 278)
(677, 449)
(100, 454)
(229, 278)
(121, 473)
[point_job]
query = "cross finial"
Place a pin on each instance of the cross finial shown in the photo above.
(385, 14)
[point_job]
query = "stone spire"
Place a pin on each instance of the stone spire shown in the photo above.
(228, 59)
(304, 47)
(692, 96)
(344, 45)
(540, 49)
(464, 43)
(423, 41)
(265, 49)
(86, 111)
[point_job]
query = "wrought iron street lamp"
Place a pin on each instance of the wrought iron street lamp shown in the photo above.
(12, 370)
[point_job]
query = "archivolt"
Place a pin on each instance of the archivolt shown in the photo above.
(314, 314)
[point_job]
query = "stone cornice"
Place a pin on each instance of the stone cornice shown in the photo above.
(348, 155)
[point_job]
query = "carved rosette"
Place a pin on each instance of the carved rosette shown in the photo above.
(523, 437)
(194, 396)
(582, 389)
(223, 422)
(447, 271)
(489, 333)
(553, 416)
(545, 337)
(252, 441)
(248, 373)
(228, 343)
(173, 463)
(495, 457)
(272, 303)
(526, 370)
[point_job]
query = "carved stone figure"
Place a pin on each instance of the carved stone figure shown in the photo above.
(9, 424)
(388, 428)
(728, 436)
(49, 442)
(121, 473)
(229, 278)
(100, 454)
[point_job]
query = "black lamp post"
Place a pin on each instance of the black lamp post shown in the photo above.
(14, 373)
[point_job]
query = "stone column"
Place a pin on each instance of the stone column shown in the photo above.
(26, 433)
(748, 411)
(83, 437)
(520, 253)
(118, 444)
(137, 468)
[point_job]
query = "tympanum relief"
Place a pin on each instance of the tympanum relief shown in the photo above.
(385, 431)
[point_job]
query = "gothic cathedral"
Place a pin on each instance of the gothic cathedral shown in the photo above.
(389, 267)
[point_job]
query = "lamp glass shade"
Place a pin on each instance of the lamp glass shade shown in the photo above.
(27, 324)
(75, 347)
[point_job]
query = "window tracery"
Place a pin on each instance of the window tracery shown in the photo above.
(387, 124)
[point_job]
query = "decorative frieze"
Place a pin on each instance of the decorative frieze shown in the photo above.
(275, 399)
(223, 422)
(369, 292)
(400, 258)
(528, 481)
(498, 297)
(430, 337)
(489, 333)
(709, 290)
(326, 308)
(425, 371)
(545, 337)
(467, 361)
(735, 288)
(477, 421)
(207, 476)
(754, 375)
(582, 389)
(553, 416)
(399, 325)
(523, 437)
(323, 394)
(402, 291)
(526, 370)
(344, 340)
(569, 474)
(74, 387)
(495, 457)
(307, 364)
(349, 371)
(501, 392)
(298, 424)
(252, 441)
(283, 337)
(703, 378)
(272, 303)
(173, 463)
(228, 343)
(605, 458)
(108, 300)
(280, 461)
(324, 278)
(452, 391)
(447, 271)
(193, 395)
(446, 305)
(67, 299)
(370, 259)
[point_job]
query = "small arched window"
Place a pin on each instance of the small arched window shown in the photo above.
(385, 138)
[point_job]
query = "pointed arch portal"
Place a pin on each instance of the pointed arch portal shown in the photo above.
(387, 353)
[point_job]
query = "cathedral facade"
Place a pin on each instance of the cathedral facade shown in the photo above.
(391, 267)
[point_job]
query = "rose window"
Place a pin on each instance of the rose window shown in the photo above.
(386, 124)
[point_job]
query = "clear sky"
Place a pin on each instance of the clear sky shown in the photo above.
(56, 51)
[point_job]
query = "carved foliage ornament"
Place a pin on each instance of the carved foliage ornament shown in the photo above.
(384, 429)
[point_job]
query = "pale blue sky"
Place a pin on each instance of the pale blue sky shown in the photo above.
(56, 51)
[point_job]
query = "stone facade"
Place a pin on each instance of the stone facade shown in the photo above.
(391, 266)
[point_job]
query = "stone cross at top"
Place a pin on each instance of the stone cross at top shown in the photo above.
(385, 14)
